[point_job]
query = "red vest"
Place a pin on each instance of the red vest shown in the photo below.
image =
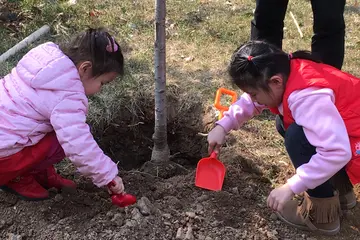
(346, 87)
(304, 74)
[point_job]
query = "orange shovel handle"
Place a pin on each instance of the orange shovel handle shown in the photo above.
(217, 103)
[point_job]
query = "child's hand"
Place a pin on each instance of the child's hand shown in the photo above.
(117, 187)
(216, 138)
(279, 196)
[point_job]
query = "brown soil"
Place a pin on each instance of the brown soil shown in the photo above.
(166, 208)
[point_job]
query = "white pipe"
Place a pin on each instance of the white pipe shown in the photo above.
(25, 42)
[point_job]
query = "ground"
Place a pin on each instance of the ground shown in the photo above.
(201, 35)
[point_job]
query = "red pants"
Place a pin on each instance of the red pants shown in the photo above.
(34, 158)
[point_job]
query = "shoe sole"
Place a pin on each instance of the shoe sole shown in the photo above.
(348, 206)
(305, 228)
(6, 189)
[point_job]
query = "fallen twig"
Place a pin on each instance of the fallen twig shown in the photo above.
(143, 173)
(174, 155)
(133, 125)
(297, 25)
(202, 134)
(179, 166)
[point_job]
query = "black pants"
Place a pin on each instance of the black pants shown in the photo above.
(329, 27)
(300, 151)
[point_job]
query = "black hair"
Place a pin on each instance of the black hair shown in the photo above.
(255, 62)
(91, 45)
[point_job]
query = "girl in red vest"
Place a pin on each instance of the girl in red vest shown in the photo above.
(318, 109)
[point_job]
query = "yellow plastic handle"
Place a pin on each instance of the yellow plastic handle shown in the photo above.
(217, 104)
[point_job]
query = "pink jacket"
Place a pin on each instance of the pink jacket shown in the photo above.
(44, 93)
(323, 127)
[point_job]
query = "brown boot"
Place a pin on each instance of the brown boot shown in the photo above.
(347, 200)
(342, 184)
(320, 215)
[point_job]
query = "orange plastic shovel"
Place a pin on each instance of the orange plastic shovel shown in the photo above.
(210, 173)
(217, 104)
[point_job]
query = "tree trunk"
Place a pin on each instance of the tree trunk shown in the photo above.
(160, 152)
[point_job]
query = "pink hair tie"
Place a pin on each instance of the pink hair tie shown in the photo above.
(249, 58)
(109, 46)
(290, 56)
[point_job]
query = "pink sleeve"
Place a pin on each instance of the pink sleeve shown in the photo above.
(68, 120)
(314, 110)
(240, 112)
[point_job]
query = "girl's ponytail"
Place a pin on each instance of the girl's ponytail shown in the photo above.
(97, 46)
(307, 55)
(255, 62)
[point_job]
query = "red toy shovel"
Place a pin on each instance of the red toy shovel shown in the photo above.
(210, 173)
(123, 199)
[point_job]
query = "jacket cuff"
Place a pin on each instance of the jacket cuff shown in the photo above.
(296, 184)
(225, 123)
(109, 177)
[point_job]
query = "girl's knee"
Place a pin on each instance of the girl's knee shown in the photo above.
(297, 145)
(55, 148)
(280, 125)
(293, 134)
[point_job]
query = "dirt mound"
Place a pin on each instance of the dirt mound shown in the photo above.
(170, 208)
(166, 209)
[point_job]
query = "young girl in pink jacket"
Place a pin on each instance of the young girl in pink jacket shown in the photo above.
(318, 109)
(43, 107)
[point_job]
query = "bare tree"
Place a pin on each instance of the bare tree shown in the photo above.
(160, 152)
